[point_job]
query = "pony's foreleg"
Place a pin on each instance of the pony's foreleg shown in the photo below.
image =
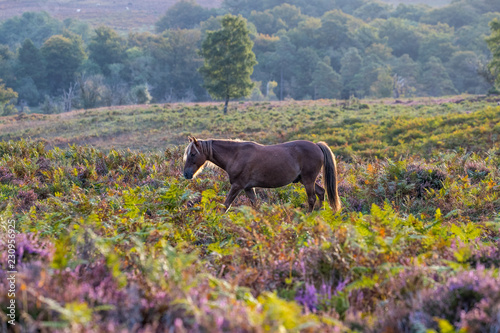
(233, 192)
(250, 192)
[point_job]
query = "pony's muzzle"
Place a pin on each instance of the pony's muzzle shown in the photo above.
(188, 174)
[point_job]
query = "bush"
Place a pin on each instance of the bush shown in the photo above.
(140, 94)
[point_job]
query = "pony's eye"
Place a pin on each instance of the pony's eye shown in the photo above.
(193, 154)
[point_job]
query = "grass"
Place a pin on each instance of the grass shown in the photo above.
(136, 247)
(348, 126)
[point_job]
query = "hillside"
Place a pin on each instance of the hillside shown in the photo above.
(380, 124)
(436, 3)
(122, 15)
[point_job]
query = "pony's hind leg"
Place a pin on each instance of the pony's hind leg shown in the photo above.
(311, 195)
(320, 192)
(250, 192)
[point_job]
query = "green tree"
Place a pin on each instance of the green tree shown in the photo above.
(288, 15)
(402, 37)
(229, 60)
(351, 64)
(36, 26)
(437, 44)
(494, 44)
(28, 91)
(410, 12)
(406, 72)
(264, 21)
(463, 69)
(303, 69)
(435, 79)
(455, 15)
(334, 30)
(7, 65)
(383, 86)
(185, 14)
(372, 10)
(307, 33)
(30, 72)
(6, 95)
(106, 47)
(176, 63)
(62, 55)
(326, 82)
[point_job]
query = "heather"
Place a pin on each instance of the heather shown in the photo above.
(115, 240)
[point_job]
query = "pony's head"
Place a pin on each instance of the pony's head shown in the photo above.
(194, 158)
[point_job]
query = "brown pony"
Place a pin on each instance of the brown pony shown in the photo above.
(250, 165)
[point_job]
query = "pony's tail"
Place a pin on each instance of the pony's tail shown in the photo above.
(330, 176)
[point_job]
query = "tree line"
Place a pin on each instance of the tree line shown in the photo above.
(304, 50)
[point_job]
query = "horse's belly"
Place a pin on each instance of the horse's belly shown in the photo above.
(269, 177)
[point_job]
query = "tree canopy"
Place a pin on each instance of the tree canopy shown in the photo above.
(494, 45)
(229, 60)
(311, 49)
(63, 56)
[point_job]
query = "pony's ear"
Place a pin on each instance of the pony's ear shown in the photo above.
(193, 140)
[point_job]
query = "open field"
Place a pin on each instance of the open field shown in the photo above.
(369, 128)
(122, 15)
(137, 248)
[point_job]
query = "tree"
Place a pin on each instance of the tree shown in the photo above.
(406, 72)
(63, 55)
(326, 82)
(37, 26)
(494, 45)
(435, 79)
(464, 67)
(176, 64)
(228, 60)
(436, 44)
(106, 48)
(30, 62)
(31, 72)
(6, 95)
(303, 69)
(92, 90)
(7, 65)
(384, 85)
(402, 37)
(351, 64)
(185, 14)
(372, 10)
(410, 12)
(455, 15)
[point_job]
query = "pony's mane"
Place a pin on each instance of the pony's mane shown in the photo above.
(206, 149)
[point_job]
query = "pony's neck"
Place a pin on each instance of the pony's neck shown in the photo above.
(222, 151)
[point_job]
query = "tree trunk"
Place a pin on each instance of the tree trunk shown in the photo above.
(281, 85)
(225, 105)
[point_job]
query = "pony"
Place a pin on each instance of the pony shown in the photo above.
(249, 165)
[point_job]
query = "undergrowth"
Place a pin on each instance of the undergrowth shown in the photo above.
(117, 240)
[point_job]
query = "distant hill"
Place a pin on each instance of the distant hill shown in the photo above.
(432, 3)
(123, 15)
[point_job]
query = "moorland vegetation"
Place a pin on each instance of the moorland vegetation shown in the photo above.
(115, 239)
